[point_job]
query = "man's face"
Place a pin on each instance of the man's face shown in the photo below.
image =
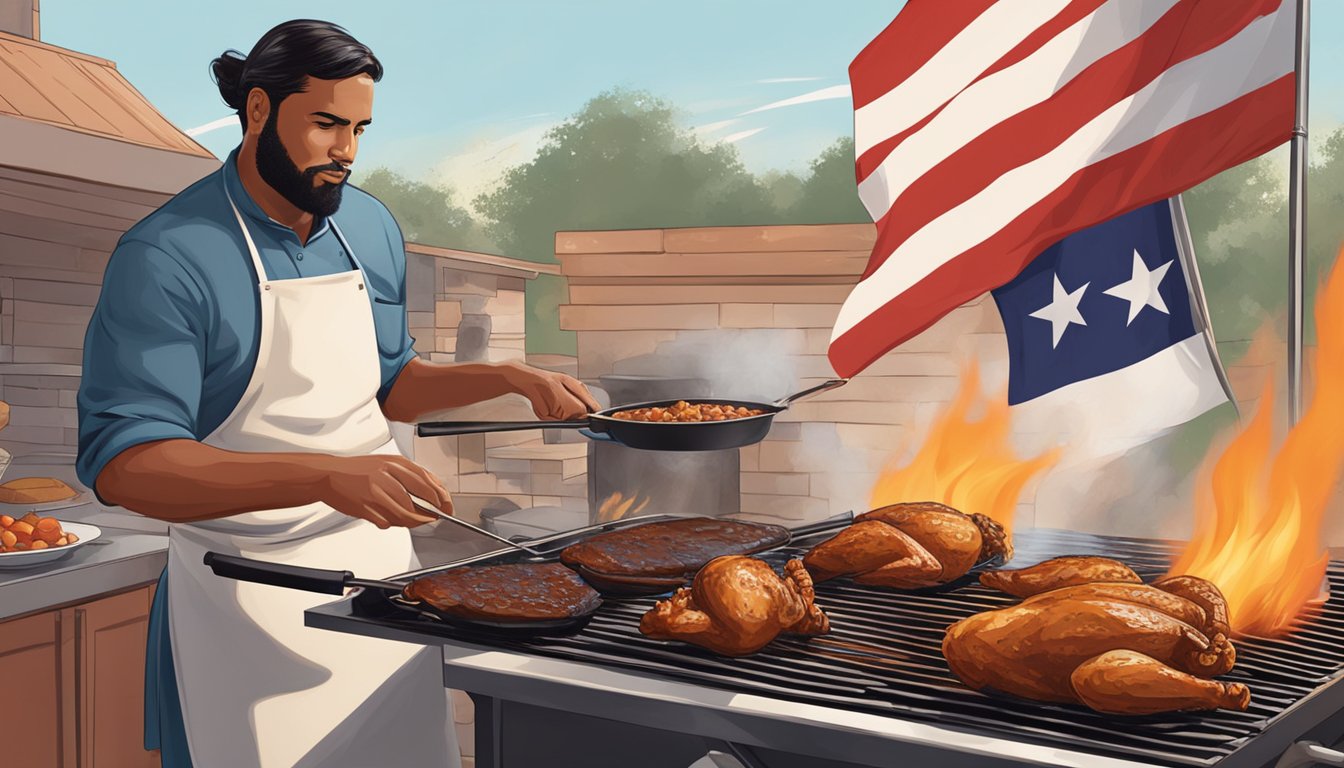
(307, 145)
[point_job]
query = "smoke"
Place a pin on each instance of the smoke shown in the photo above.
(818, 472)
(742, 364)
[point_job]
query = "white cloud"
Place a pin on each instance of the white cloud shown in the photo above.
(823, 94)
(478, 165)
(788, 79)
(213, 125)
(740, 135)
(708, 128)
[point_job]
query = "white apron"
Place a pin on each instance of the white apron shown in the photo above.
(258, 688)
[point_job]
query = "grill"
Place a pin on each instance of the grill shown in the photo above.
(883, 656)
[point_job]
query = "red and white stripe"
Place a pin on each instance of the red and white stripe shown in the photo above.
(986, 131)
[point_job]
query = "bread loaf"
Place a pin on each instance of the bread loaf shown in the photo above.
(35, 490)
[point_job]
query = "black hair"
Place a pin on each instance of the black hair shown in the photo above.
(285, 57)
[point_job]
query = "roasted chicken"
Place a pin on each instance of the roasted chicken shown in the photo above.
(908, 546)
(1129, 683)
(736, 606)
(1059, 572)
(1118, 647)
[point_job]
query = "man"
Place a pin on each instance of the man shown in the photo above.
(245, 357)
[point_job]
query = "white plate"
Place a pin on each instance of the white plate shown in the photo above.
(31, 557)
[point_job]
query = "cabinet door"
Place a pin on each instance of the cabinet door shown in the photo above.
(110, 658)
(31, 676)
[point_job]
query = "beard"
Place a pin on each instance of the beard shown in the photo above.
(278, 170)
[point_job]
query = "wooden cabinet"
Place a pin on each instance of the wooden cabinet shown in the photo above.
(75, 678)
(32, 674)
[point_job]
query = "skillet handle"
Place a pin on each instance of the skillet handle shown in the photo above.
(446, 428)
(278, 575)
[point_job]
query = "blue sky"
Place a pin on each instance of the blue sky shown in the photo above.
(471, 87)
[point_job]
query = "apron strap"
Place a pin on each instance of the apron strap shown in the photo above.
(247, 236)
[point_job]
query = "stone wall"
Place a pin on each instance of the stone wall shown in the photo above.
(469, 307)
(56, 236)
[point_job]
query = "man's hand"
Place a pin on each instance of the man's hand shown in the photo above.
(553, 395)
(379, 488)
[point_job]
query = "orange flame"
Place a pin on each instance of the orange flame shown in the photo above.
(1258, 525)
(617, 506)
(967, 465)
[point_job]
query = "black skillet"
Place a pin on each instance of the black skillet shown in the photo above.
(652, 436)
(331, 582)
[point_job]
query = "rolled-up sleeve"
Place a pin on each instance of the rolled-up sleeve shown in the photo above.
(143, 357)
(396, 348)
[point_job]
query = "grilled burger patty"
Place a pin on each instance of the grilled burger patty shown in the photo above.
(670, 548)
(512, 592)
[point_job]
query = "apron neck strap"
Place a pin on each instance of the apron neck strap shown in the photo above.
(340, 236)
(247, 236)
(256, 257)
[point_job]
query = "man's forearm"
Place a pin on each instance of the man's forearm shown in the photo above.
(182, 481)
(423, 388)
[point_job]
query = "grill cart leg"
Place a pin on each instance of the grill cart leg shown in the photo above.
(489, 738)
(1309, 753)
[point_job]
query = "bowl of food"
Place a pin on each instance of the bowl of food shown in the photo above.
(32, 539)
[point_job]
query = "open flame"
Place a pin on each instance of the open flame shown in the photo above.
(616, 506)
(967, 465)
(1258, 522)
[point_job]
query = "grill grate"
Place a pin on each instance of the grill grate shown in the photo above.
(884, 656)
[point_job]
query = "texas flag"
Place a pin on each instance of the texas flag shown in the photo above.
(1108, 336)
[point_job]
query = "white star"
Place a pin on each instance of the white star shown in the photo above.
(1062, 310)
(1141, 289)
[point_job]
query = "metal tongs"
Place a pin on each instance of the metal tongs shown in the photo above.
(425, 506)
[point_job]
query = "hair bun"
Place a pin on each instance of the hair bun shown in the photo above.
(228, 74)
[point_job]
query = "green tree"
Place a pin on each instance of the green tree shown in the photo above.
(784, 189)
(425, 212)
(830, 194)
(1238, 224)
(621, 162)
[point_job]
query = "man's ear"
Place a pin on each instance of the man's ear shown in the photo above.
(258, 110)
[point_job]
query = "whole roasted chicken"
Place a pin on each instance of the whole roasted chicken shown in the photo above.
(920, 544)
(1119, 647)
(737, 605)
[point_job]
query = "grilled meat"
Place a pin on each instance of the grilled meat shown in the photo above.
(1129, 683)
(908, 546)
(658, 556)
(1059, 572)
(736, 606)
(1119, 647)
(1174, 606)
(517, 592)
(1203, 593)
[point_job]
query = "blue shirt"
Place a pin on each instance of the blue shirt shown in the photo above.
(173, 340)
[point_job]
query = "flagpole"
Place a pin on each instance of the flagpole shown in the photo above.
(1297, 216)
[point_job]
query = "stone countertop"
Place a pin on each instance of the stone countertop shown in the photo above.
(132, 549)
(116, 560)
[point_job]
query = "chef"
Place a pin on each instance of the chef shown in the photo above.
(247, 352)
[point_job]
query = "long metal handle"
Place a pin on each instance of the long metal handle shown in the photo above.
(1305, 753)
(321, 580)
(831, 523)
(785, 402)
(425, 506)
(446, 428)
